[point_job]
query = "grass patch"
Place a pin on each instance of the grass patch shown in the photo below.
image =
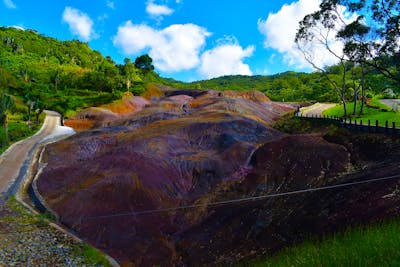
(18, 130)
(376, 111)
(91, 255)
(295, 125)
(375, 245)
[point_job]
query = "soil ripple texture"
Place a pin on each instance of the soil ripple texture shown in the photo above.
(188, 148)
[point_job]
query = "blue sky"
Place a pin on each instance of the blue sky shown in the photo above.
(187, 39)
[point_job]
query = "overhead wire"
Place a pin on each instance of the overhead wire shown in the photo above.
(238, 200)
(214, 204)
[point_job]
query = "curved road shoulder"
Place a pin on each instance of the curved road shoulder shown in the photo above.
(15, 161)
(315, 109)
(391, 103)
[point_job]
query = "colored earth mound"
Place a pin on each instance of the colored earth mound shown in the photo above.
(139, 185)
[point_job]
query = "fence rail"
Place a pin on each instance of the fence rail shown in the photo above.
(357, 125)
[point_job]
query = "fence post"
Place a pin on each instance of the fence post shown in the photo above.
(386, 126)
(369, 125)
(361, 126)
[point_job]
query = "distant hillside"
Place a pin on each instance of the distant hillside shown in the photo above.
(68, 75)
(292, 86)
(64, 75)
(287, 86)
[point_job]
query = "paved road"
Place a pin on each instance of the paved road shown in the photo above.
(391, 103)
(13, 162)
(316, 109)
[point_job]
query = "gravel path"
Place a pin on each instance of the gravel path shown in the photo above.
(391, 103)
(27, 240)
(316, 109)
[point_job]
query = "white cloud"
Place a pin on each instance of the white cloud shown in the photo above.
(158, 10)
(174, 48)
(280, 30)
(225, 59)
(111, 4)
(9, 4)
(79, 23)
(21, 28)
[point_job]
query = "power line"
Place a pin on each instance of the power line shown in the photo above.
(211, 204)
(233, 201)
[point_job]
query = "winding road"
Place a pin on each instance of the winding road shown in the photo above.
(15, 161)
(316, 109)
(391, 103)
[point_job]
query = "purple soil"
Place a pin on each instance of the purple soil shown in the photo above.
(218, 147)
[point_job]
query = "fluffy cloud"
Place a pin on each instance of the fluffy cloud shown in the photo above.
(9, 4)
(111, 4)
(174, 48)
(225, 59)
(280, 30)
(79, 23)
(158, 10)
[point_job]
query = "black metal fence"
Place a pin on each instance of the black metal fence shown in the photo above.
(357, 125)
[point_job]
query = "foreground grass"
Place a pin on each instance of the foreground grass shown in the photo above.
(379, 112)
(375, 245)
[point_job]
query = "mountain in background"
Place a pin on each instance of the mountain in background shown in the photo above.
(69, 75)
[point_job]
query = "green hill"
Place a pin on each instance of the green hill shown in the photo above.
(287, 86)
(63, 75)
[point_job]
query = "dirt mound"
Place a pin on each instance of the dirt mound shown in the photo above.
(117, 185)
(95, 117)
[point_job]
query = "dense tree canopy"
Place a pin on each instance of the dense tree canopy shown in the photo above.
(64, 75)
(370, 40)
(67, 75)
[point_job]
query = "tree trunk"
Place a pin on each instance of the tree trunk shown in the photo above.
(343, 91)
(355, 102)
(356, 89)
(343, 99)
(29, 115)
(362, 90)
(6, 128)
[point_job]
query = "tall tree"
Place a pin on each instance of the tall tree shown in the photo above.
(319, 30)
(144, 63)
(29, 101)
(130, 73)
(7, 104)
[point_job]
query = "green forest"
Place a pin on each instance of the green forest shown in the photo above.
(38, 72)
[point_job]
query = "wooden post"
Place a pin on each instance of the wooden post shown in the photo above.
(361, 125)
(369, 125)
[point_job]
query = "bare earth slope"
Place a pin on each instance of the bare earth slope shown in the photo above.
(115, 185)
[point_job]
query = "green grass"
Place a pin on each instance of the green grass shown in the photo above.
(18, 130)
(91, 255)
(376, 245)
(381, 113)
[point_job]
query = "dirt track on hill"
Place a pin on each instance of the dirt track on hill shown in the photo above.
(391, 103)
(316, 109)
(13, 160)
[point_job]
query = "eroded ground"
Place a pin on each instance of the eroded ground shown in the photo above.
(189, 148)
